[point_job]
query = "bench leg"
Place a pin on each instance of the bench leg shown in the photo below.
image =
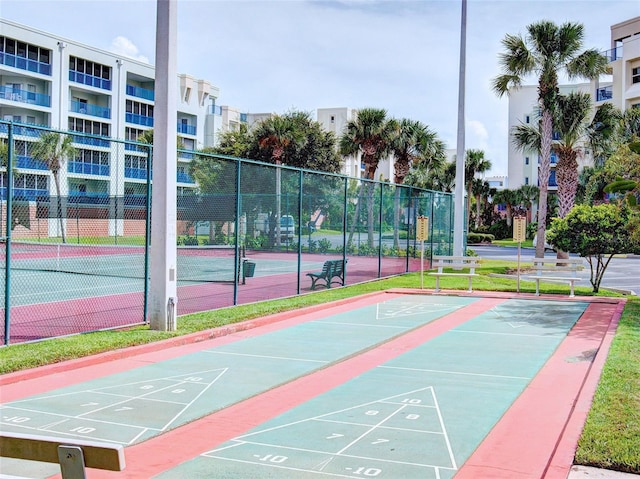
(571, 295)
(537, 287)
(437, 284)
(470, 280)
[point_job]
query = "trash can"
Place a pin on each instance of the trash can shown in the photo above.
(248, 269)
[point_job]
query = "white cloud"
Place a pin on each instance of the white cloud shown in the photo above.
(125, 47)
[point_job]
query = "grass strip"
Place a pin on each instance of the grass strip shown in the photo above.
(611, 436)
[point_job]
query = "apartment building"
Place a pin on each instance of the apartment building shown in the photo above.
(58, 83)
(621, 87)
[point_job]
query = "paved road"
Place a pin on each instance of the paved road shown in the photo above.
(621, 274)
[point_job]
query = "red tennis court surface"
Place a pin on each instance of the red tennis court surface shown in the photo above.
(542, 368)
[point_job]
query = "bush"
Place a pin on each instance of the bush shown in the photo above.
(476, 238)
(324, 245)
(500, 230)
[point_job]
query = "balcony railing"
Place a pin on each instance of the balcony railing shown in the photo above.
(139, 119)
(90, 80)
(140, 92)
(21, 130)
(137, 173)
(186, 129)
(86, 140)
(613, 54)
(184, 178)
(26, 162)
(141, 174)
(29, 194)
(87, 168)
(25, 63)
(605, 93)
(24, 96)
(89, 109)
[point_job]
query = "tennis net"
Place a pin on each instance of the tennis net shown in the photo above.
(194, 263)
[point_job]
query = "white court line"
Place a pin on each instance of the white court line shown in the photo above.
(267, 357)
(357, 406)
(509, 334)
(444, 430)
(391, 428)
(369, 325)
(439, 371)
(210, 454)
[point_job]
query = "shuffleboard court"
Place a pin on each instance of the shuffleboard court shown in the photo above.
(419, 415)
(389, 385)
(135, 405)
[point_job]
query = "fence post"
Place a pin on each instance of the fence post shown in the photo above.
(236, 254)
(300, 196)
(7, 244)
(380, 216)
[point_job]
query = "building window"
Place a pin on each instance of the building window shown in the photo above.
(333, 119)
(635, 75)
(527, 119)
(526, 160)
(526, 180)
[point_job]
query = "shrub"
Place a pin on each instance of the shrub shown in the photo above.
(500, 230)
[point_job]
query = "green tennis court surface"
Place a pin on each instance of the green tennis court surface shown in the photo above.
(420, 414)
(44, 272)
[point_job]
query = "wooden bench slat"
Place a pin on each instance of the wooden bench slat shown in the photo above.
(98, 455)
(455, 262)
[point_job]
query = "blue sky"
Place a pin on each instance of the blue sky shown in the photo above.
(275, 56)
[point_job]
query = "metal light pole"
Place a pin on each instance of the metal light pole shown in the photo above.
(458, 215)
(163, 256)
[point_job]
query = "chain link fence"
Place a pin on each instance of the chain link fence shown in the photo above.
(75, 258)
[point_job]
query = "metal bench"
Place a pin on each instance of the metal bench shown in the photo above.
(72, 455)
(333, 268)
(568, 267)
(466, 263)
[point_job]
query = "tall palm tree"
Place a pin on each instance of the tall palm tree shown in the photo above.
(414, 143)
(474, 163)
(547, 50)
(571, 124)
(370, 134)
(53, 149)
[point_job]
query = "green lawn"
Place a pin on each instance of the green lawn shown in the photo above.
(611, 438)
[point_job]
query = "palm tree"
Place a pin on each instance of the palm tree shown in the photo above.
(474, 163)
(370, 134)
(547, 50)
(481, 191)
(275, 134)
(571, 124)
(528, 195)
(53, 149)
(415, 142)
(602, 133)
(510, 198)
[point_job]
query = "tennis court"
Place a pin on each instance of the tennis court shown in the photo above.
(387, 385)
